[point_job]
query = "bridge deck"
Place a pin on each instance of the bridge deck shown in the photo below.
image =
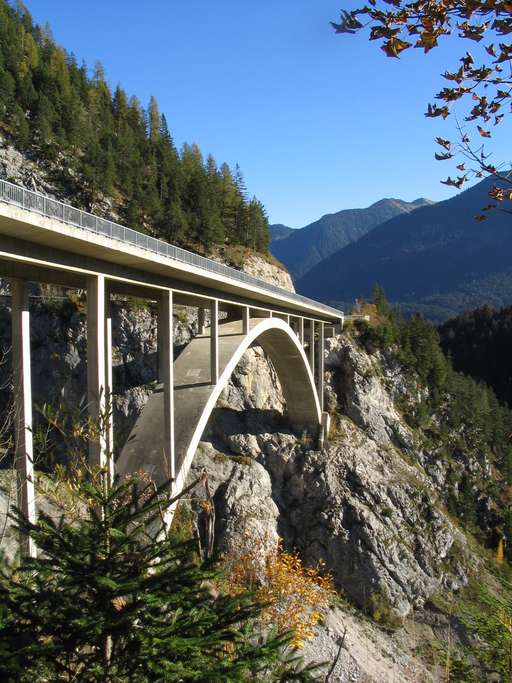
(48, 233)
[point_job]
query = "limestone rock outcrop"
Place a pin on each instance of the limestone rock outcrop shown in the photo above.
(270, 272)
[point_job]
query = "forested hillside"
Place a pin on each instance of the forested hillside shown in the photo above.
(461, 420)
(101, 144)
(478, 343)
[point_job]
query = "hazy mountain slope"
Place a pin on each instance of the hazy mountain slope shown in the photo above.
(302, 249)
(279, 232)
(438, 259)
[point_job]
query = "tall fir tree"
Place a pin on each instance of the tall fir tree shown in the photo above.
(113, 146)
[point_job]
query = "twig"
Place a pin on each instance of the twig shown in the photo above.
(341, 643)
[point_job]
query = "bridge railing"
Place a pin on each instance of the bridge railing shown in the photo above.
(46, 206)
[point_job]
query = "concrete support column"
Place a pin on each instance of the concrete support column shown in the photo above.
(201, 320)
(301, 331)
(109, 386)
(214, 341)
(325, 427)
(312, 346)
(320, 364)
(24, 453)
(96, 371)
(287, 319)
(166, 337)
(246, 312)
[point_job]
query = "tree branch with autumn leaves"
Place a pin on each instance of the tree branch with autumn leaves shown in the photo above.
(485, 89)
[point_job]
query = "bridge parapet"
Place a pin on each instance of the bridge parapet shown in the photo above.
(37, 203)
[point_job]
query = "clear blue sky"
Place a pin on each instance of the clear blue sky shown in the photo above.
(318, 122)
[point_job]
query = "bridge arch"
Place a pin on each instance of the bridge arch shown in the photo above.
(195, 399)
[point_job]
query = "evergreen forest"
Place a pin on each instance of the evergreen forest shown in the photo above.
(459, 419)
(478, 343)
(103, 144)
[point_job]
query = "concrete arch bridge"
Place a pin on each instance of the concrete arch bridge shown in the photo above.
(195, 395)
(46, 241)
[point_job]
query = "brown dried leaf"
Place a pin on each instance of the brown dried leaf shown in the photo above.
(483, 133)
(394, 46)
(444, 143)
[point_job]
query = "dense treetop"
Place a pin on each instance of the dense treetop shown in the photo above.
(101, 143)
(478, 343)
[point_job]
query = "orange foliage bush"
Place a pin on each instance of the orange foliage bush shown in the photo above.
(295, 597)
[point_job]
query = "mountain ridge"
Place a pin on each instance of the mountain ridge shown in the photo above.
(438, 259)
(302, 249)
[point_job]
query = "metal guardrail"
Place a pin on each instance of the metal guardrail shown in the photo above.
(39, 203)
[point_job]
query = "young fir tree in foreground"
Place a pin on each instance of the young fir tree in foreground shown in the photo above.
(104, 601)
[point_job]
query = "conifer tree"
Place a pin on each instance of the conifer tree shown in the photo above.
(111, 598)
(113, 146)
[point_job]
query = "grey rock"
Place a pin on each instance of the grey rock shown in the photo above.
(359, 381)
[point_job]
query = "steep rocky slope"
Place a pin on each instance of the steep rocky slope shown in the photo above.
(369, 504)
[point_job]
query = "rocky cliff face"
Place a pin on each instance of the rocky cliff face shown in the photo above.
(268, 271)
(364, 504)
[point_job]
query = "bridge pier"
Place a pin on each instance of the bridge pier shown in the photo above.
(24, 449)
(109, 387)
(214, 341)
(201, 320)
(99, 349)
(320, 365)
(166, 376)
(246, 314)
(301, 331)
(311, 351)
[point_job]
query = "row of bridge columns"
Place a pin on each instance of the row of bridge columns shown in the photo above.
(99, 375)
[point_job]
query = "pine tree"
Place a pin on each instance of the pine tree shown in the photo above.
(112, 145)
(105, 602)
(490, 620)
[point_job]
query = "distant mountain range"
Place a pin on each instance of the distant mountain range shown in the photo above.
(437, 259)
(300, 250)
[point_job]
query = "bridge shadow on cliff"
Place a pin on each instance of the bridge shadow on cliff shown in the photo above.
(225, 423)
